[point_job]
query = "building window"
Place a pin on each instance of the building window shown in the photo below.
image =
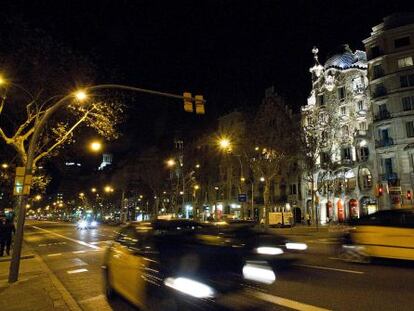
(358, 85)
(292, 189)
(405, 62)
(345, 131)
(346, 153)
(321, 100)
(360, 105)
(400, 42)
(388, 170)
(407, 103)
(409, 126)
(341, 93)
(375, 51)
(343, 111)
(377, 71)
(363, 126)
(406, 81)
(363, 153)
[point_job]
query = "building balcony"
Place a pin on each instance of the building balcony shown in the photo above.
(346, 162)
(382, 115)
(378, 73)
(385, 142)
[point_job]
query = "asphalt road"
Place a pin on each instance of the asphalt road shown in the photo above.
(319, 280)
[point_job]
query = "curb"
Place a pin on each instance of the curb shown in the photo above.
(66, 296)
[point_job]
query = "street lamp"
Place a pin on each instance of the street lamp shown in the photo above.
(81, 95)
(171, 162)
(224, 144)
(108, 189)
(95, 146)
(4, 165)
(93, 190)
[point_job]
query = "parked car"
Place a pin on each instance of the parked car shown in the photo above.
(385, 234)
(186, 265)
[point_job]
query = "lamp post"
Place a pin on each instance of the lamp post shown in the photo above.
(40, 123)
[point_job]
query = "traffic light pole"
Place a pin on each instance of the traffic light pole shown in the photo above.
(38, 127)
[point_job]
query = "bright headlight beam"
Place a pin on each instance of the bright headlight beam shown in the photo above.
(259, 273)
(265, 250)
(190, 287)
(297, 246)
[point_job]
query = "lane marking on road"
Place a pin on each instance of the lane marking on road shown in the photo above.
(54, 255)
(77, 271)
(296, 305)
(99, 297)
(79, 252)
(328, 268)
(69, 239)
(334, 258)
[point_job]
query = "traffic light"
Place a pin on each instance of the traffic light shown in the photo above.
(188, 102)
(199, 104)
(380, 190)
(409, 196)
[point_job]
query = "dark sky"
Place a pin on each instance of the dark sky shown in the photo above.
(229, 51)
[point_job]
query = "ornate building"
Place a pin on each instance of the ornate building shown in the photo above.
(390, 51)
(339, 110)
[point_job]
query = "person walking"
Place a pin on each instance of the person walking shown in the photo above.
(6, 230)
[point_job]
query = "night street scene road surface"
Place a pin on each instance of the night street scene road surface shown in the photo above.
(208, 155)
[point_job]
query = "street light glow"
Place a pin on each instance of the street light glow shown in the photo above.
(93, 190)
(96, 146)
(2, 80)
(38, 197)
(262, 179)
(171, 162)
(224, 143)
(108, 189)
(4, 165)
(196, 187)
(81, 95)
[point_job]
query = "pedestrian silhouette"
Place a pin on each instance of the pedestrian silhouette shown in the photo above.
(6, 230)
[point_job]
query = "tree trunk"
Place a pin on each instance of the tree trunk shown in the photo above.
(266, 196)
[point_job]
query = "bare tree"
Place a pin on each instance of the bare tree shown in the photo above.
(320, 127)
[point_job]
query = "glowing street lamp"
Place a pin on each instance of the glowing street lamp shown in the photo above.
(81, 95)
(4, 165)
(95, 146)
(93, 190)
(224, 143)
(196, 187)
(171, 162)
(262, 179)
(108, 189)
(2, 80)
(38, 197)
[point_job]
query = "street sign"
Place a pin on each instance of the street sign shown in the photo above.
(22, 182)
(242, 197)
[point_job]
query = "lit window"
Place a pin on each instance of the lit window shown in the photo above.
(405, 62)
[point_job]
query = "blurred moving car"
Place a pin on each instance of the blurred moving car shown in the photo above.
(385, 234)
(86, 224)
(186, 265)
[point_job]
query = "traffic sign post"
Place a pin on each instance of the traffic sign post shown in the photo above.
(242, 197)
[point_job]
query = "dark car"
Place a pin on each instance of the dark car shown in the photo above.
(186, 265)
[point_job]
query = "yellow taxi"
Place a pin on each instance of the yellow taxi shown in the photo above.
(384, 234)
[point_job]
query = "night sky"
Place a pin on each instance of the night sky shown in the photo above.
(229, 51)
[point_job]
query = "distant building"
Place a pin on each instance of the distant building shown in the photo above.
(340, 92)
(390, 51)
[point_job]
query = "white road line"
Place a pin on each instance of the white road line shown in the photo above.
(79, 252)
(67, 238)
(54, 255)
(328, 268)
(99, 297)
(77, 271)
(296, 305)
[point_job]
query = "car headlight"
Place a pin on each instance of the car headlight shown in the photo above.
(82, 224)
(259, 272)
(190, 287)
(94, 223)
(266, 250)
(297, 246)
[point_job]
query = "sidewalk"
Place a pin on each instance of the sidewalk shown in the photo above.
(303, 230)
(38, 289)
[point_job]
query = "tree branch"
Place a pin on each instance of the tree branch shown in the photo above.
(63, 139)
(8, 140)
